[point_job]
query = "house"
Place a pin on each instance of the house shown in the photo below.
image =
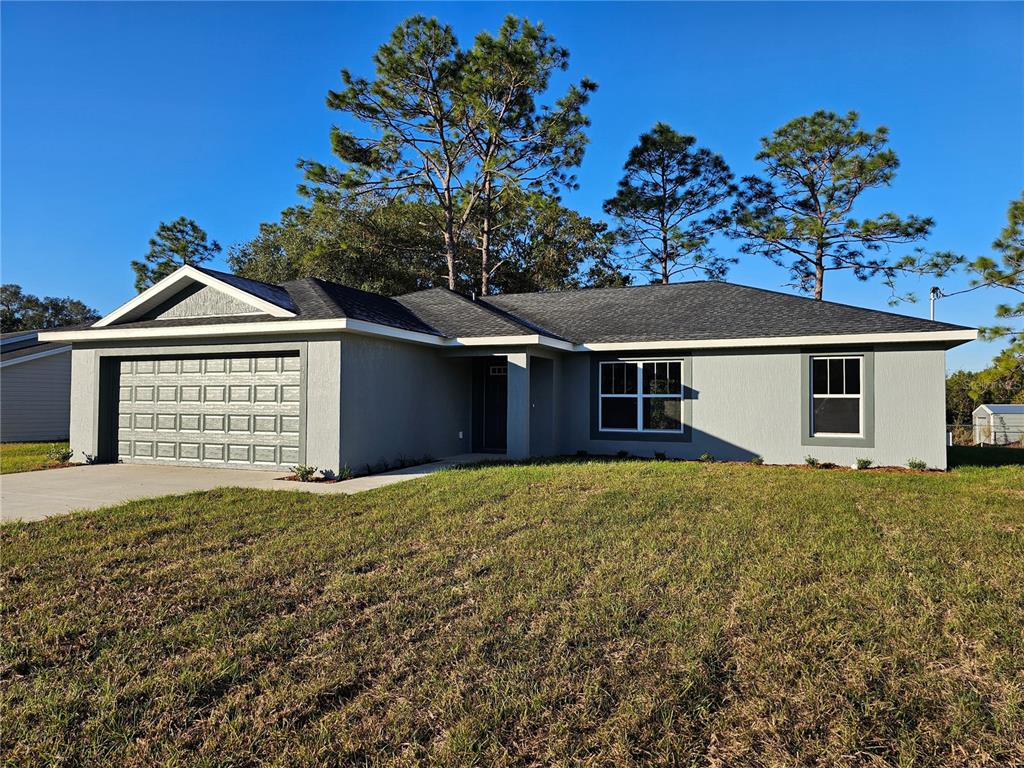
(35, 388)
(998, 424)
(208, 368)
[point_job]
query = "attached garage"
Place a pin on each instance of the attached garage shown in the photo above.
(227, 410)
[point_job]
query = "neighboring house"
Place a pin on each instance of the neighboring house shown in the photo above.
(35, 388)
(998, 424)
(207, 368)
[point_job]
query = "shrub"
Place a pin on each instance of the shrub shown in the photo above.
(706, 457)
(759, 460)
(659, 456)
(917, 464)
(863, 463)
(810, 461)
(59, 454)
(304, 472)
(345, 473)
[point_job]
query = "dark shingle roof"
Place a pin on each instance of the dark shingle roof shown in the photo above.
(692, 311)
(275, 294)
(697, 310)
(455, 315)
(320, 299)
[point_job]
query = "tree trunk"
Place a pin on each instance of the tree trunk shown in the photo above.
(819, 274)
(449, 253)
(485, 239)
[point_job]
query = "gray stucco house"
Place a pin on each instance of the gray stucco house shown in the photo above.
(35, 388)
(208, 368)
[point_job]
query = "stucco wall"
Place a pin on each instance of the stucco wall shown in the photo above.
(750, 403)
(200, 301)
(401, 400)
(35, 399)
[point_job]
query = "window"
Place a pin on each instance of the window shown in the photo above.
(641, 396)
(836, 395)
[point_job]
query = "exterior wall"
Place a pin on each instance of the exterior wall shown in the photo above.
(750, 403)
(543, 438)
(200, 301)
(322, 375)
(401, 400)
(35, 399)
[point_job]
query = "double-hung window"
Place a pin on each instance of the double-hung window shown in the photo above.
(641, 396)
(836, 399)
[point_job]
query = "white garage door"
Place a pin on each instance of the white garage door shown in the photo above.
(211, 411)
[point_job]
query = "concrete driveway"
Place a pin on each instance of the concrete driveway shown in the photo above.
(37, 495)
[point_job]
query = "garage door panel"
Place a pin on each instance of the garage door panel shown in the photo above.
(227, 411)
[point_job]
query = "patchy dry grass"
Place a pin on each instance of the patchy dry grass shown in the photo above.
(576, 614)
(26, 457)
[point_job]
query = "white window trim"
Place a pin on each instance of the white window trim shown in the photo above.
(640, 397)
(858, 397)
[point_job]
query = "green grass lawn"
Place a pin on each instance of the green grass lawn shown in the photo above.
(25, 457)
(601, 613)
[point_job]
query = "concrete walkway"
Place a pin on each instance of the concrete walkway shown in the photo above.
(38, 495)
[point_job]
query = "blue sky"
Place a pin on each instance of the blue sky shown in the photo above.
(117, 116)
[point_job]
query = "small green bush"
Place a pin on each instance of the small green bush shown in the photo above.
(810, 461)
(758, 460)
(863, 463)
(917, 464)
(59, 454)
(345, 473)
(706, 457)
(305, 472)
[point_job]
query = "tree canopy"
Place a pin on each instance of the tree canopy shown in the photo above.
(517, 145)
(367, 242)
(799, 213)
(174, 245)
(457, 130)
(669, 203)
(20, 311)
(1006, 271)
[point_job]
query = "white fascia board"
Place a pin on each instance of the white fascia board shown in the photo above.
(265, 328)
(36, 356)
(517, 341)
(785, 341)
(375, 329)
(162, 290)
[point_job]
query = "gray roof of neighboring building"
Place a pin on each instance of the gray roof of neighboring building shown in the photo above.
(15, 351)
(697, 310)
(997, 408)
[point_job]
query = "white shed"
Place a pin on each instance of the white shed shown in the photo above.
(998, 424)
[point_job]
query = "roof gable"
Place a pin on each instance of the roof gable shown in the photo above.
(229, 296)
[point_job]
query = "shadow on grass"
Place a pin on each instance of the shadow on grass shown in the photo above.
(977, 456)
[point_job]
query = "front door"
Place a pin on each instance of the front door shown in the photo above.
(495, 406)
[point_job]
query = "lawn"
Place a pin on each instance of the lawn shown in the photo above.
(594, 613)
(25, 457)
